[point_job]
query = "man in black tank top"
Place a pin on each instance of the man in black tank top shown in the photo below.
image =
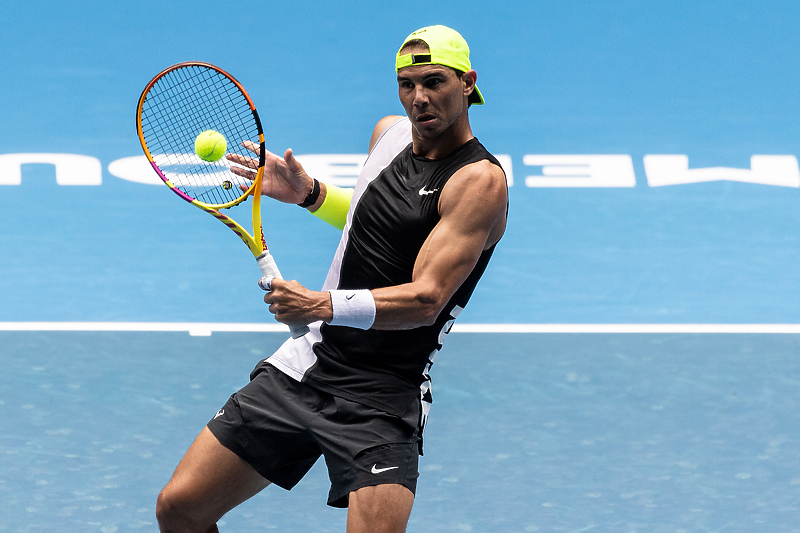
(424, 219)
(391, 223)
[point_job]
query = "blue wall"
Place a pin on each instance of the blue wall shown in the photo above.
(715, 82)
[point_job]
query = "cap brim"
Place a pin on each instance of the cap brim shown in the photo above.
(476, 98)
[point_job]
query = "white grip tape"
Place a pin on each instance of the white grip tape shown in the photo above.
(267, 265)
(353, 308)
(270, 271)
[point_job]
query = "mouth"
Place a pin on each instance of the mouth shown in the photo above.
(425, 118)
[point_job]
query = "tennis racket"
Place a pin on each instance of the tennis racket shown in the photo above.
(180, 103)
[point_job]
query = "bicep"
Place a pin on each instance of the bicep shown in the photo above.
(472, 219)
(446, 259)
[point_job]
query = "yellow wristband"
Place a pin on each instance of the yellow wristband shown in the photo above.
(335, 206)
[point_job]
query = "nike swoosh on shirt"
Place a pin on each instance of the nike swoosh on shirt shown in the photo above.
(376, 470)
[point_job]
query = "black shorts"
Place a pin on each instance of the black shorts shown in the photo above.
(281, 427)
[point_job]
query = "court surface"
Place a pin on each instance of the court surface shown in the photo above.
(628, 363)
(544, 432)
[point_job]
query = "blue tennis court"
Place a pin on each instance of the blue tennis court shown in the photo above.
(628, 362)
(544, 432)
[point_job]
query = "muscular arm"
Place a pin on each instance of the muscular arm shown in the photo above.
(473, 216)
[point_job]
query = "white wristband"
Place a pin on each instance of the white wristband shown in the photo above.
(354, 308)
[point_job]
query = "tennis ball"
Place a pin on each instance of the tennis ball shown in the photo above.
(210, 145)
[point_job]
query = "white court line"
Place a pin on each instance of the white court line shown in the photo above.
(193, 328)
(207, 328)
(627, 328)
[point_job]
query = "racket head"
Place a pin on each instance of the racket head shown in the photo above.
(176, 106)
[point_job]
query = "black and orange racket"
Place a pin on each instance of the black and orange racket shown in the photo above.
(179, 105)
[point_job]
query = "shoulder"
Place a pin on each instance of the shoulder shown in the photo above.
(382, 125)
(479, 178)
(477, 196)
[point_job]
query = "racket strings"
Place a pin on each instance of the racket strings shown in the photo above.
(183, 103)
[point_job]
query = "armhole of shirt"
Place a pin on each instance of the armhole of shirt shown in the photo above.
(385, 131)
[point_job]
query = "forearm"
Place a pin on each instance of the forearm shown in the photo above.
(400, 307)
(406, 306)
(391, 308)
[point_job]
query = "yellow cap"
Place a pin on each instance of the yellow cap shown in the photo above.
(447, 47)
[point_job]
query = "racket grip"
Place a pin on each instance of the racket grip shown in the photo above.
(268, 268)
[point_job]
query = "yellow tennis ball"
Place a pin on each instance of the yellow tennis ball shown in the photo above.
(210, 145)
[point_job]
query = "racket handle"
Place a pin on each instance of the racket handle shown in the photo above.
(268, 268)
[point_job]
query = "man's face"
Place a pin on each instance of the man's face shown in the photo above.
(433, 97)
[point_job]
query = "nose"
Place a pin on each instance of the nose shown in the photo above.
(420, 96)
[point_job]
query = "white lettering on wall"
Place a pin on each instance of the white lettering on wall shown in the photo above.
(136, 169)
(581, 171)
(505, 163)
(337, 169)
(71, 169)
(780, 170)
(343, 170)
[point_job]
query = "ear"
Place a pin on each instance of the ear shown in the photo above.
(469, 79)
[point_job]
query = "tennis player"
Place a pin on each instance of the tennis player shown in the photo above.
(418, 231)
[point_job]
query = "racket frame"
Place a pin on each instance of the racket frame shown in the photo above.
(256, 242)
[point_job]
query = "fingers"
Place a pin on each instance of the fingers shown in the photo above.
(266, 283)
(284, 178)
(292, 163)
(247, 174)
(291, 303)
(247, 162)
(275, 297)
(269, 284)
(253, 147)
(256, 149)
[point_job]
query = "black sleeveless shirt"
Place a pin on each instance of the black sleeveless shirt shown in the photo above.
(398, 210)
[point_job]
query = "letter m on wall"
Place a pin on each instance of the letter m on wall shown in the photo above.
(71, 169)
